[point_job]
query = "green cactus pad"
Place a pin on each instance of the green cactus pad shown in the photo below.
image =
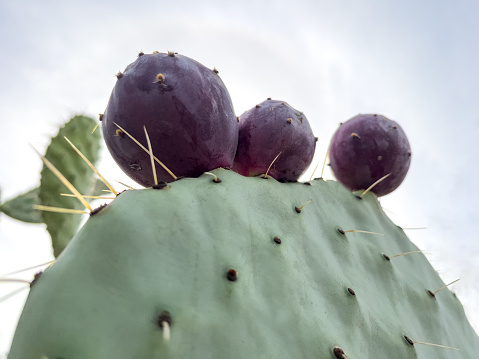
(78, 130)
(21, 207)
(242, 275)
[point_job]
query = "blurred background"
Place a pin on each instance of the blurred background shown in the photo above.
(415, 62)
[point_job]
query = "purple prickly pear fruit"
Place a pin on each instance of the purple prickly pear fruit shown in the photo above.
(365, 149)
(187, 111)
(270, 129)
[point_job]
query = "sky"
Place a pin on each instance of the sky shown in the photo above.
(415, 62)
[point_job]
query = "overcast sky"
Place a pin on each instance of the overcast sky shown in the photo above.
(413, 61)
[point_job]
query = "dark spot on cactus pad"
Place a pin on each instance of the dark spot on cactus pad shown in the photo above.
(408, 340)
(340, 230)
(298, 210)
(160, 185)
(164, 316)
(277, 240)
(431, 293)
(98, 209)
(35, 278)
(216, 180)
(387, 257)
(232, 275)
(339, 353)
(351, 291)
(358, 197)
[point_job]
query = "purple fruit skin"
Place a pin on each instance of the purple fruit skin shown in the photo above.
(380, 147)
(264, 132)
(189, 117)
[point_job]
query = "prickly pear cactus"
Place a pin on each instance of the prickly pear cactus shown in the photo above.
(242, 268)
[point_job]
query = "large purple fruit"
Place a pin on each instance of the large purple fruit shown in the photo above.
(272, 128)
(186, 110)
(366, 148)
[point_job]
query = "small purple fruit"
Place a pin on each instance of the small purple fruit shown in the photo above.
(186, 110)
(270, 129)
(366, 148)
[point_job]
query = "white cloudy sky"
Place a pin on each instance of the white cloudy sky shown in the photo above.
(415, 61)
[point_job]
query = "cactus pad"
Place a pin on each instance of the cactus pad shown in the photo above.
(201, 269)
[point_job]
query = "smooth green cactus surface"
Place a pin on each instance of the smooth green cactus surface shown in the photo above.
(206, 253)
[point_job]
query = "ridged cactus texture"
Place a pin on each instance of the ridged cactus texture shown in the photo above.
(240, 269)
